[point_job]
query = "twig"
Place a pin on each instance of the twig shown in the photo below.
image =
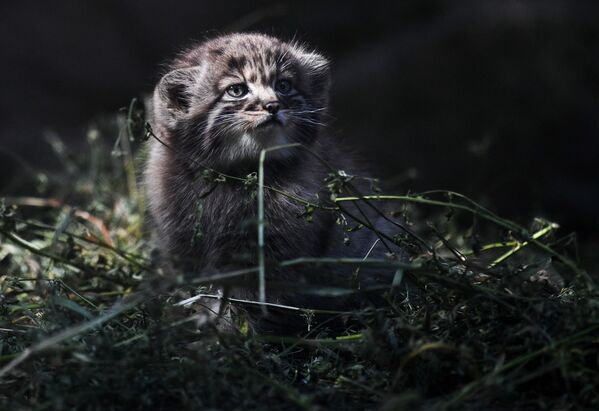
(489, 217)
(520, 245)
(55, 203)
(128, 256)
(377, 262)
(258, 303)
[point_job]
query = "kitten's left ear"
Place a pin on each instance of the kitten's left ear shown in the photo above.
(318, 69)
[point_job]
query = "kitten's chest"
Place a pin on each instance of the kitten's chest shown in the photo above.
(229, 224)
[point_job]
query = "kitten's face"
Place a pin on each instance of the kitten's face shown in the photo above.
(233, 96)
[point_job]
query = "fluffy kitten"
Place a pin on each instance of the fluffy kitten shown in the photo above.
(217, 107)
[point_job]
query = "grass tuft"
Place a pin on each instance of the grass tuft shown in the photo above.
(502, 316)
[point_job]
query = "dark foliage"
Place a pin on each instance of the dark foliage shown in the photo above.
(88, 323)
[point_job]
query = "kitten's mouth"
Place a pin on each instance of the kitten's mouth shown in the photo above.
(270, 121)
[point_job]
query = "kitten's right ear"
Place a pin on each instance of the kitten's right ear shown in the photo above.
(173, 95)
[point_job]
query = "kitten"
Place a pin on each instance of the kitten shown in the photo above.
(219, 105)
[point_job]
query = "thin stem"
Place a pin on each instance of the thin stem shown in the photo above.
(520, 245)
(261, 263)
(376, 262)
(489, 217)
(261, 304)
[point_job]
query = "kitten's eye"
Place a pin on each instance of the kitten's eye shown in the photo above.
(237, 90)
(283, 86)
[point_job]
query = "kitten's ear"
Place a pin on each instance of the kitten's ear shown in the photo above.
(173, 95)
(318, 70)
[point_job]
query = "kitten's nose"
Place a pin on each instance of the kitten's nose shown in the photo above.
(272, 107)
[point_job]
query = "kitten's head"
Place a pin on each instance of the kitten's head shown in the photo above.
(228, 98)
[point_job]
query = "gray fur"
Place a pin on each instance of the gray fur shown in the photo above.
(207, 228)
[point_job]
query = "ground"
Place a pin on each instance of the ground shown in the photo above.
(500, 316)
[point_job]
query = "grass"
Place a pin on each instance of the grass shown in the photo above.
(87, 321)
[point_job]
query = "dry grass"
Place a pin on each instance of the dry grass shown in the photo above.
(86, 322)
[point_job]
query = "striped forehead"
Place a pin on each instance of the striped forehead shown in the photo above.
(255, 66)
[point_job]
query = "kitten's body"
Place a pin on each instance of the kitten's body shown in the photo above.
(210, 227)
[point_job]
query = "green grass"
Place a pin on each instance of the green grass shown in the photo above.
(88, 322)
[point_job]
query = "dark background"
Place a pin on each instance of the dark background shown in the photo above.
(495, 99)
